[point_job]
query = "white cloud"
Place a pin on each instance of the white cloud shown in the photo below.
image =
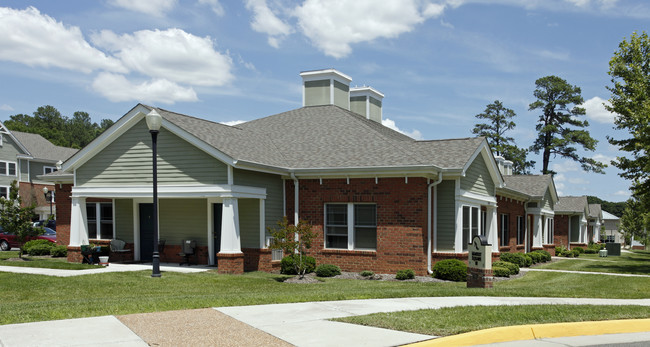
(31, 38)
(565, 166)
(333, 26)
(171, 54)
(233, 122)
(215, 5)
(265, 21)
(625, 193)
(603, 158)
(389, 123)
(578, 180)
(596, 110)
(5, 107)
(117, 88)
(156, 8)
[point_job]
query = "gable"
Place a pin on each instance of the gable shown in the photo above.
(477, 178)
(127, 161)
(547, 203)
(9, 149)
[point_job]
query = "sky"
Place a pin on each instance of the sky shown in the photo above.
(438, 62)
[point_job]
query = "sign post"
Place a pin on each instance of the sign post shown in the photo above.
(479, 263)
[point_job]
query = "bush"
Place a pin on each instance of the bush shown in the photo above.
(38, 247)
(579, 249)
(450, 270)
(536, 257)
(367, 273)
(568, 254)
(576, 253)
(407, 274)
(514, 268)
(287, 264)
(516, 258)
(59, 251)
(529, 260)
(546, 256)
(591, 251)
(498, 271)
(327, 270)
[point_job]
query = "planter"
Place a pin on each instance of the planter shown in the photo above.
(103, 260)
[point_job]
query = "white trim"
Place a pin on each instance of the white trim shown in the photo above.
(52, 168)
(6, 164)
(231, 175)
(8, 188)
(472, 198)
(262, 223)
(204, 191)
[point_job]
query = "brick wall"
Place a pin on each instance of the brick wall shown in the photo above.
(63, 210)
(230, 263)
(401, 221)
(33, 193)
(513, 208)
(561, 232)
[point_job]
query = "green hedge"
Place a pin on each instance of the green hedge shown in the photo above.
(515, 258)
(38, 247)
(450, 270)
(287, 264)
(498, 271)
(514, 268)
(407, 274)
(327, 270)
(546, 255)
(59, 251)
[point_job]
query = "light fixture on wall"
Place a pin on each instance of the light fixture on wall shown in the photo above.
(154, 121)
(49, 196)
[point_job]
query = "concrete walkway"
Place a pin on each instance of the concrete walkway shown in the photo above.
(525, 269)
(113, 267)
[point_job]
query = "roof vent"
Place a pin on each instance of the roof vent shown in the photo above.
(326, 87)
(505, 166)
(366, 101)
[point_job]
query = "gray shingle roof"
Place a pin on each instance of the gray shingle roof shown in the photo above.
(595, 211)
(532, 185)
(41, 148)
(571, 204)
(324, 137)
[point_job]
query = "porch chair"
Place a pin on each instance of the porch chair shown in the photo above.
(187, 249)
(117, 246)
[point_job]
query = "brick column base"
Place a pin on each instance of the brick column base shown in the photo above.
(74, 254)
(479, 278)
(230, 263)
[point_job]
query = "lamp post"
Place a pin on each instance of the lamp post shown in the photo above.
(48, 196)
(154, 121)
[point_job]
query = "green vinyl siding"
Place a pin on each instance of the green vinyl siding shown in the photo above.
(575, 228)
(358, 105)
(477, 179)
(124, 219)
(341, 95)
(274, 199)
(317, 93)
(548, 201)
(9, 149)
(446, 216)
(183, 219)
(127, 161)
(375, 110)
(249, 225)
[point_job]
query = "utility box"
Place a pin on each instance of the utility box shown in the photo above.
(613, 249)
(479, 263)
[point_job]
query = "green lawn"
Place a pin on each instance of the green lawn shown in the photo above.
(637, 262)
(458, 320)
(42, 262)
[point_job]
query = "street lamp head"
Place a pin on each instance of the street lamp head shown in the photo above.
(154, 120)
(45, 190)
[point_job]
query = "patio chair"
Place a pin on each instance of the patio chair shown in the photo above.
(117, 246)
(87, 254)
(187, 249)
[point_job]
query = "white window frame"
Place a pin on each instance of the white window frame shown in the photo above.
(521, 230)
(98, 220)
(6, 196)
(468, 231)
(549, 231)
(52, 168)
(350, 225)
(7, 164)
(504, 242)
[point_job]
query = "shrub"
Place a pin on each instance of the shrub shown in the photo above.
(367, 273)
(450, 270)
(498, 271)
(536, 257)
(327, 270)
(546, 256)
(37, 247)
(59, 251)
(514, 268)
(287, 264)
(576, 253)
(579, 249)
(568, 254)
(516, 258)
(529, 260)
(407, 274)
(591, 251)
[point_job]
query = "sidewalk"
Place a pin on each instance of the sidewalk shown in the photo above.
(113, 267)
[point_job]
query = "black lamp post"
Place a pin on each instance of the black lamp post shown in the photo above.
(154, 121)
(48, 197)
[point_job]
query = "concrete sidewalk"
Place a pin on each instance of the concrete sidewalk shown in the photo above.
(301, 324)
(113, 267)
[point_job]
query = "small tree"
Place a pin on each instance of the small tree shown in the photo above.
(16, 219)
(294, 240)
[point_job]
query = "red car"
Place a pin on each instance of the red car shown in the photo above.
(8, 241)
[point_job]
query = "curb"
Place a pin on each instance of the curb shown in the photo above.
(539, 331)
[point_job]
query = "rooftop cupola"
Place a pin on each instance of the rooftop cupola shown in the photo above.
(325, 87)
(366, 101)
(505, 166)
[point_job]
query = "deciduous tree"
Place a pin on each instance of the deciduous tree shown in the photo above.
(17, 220)
(294, 240)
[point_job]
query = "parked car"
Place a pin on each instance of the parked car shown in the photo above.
(8, 241)
(50, 223)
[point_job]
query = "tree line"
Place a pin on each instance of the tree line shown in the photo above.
(75, 132)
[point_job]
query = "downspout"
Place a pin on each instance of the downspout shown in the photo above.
(296, 219)
(429, 223)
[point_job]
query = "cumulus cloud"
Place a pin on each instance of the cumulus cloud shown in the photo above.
(35, 39)
(117, 88)
(156, 8)
(565, 166)
(603, 158)
(171, 54)
(233, 122)
(596, 111)
(333, 26)
(389, 123)
(265, 21)
(5, 107)
(625, 193)
(215, 5)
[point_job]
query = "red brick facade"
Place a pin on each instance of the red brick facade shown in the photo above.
(230, 263)
(512, 208)
(63, 213)
(561, 232)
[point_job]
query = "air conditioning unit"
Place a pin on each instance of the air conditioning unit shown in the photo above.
(276, 254)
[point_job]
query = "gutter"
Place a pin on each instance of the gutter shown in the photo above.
(429, 224)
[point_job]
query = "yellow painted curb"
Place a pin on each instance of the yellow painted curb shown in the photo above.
(539, 331)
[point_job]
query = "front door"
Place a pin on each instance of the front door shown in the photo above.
(146, 232)
(217, 210)
(529, 227)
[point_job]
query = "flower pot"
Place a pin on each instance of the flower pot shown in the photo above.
(103, 260)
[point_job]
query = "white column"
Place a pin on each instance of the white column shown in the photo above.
(458, 241)
(492, 227)
(537, 230)
(262, 224)
(230, 238)
(78, 222)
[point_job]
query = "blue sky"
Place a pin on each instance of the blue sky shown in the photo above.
(439, 63)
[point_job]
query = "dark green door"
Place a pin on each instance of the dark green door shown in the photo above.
(217, 210)
(146, 232)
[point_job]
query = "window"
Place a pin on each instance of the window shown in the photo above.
(48, 169)
(471, 223)
(549, 230)
(102, 212)
(4, 192)
(351, 226)
(521, 230)
(483, 222)
(505, 235)
(7, 168)
(610, 238)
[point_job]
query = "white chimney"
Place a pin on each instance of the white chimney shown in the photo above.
(366, 101)
(325, 87)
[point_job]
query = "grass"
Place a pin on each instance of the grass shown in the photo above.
(637, 262)
(458, 320)
(42, 262)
